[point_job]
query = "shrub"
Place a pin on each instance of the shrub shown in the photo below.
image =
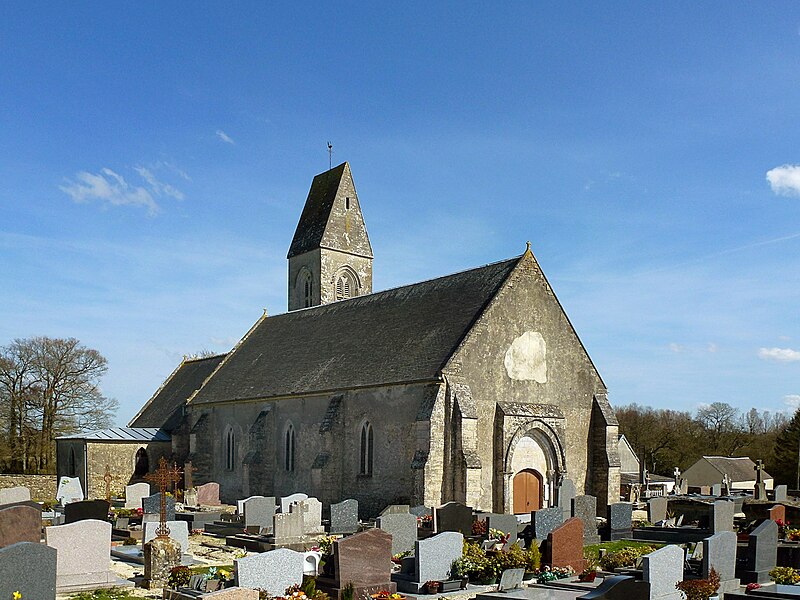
(624, 558)
(699, 589)
(179, 577)
(784, 575)
(533, 558)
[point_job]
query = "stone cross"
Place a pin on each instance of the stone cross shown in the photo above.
(759, 468)
(726, 484)
(108, 478)
(188, 469)
(164, 476)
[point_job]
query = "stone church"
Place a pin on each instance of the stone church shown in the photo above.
(472, 387)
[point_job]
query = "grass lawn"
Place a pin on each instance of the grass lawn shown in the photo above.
(592, 553)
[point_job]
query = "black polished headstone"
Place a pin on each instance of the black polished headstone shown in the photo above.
(86, 509)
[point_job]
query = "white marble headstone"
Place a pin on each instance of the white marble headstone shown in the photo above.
(69, 490)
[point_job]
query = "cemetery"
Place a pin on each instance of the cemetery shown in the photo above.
(168, 538)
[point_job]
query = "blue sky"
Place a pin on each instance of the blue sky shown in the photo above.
(154, 160)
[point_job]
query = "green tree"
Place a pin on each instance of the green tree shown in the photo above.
(787, 453)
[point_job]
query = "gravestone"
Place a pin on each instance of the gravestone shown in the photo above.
(760, 488)
(565, 493)
(259, 513)
(403, 529)
(662, 569)
(20, 524)
(781, 493)
(657, 509)
(394, 509)
(564, 547)
(287, 501)
(432, 561)
(761, 555)
(178, 531)
(511, 579)
(161, 555)
(208, 494)
(363, 559)
(722, 516)
(272, 571)
(505, 523)
(17, 574)
(619, 587)
(151, 505)
(344, 517)
(84, 554)
(14, 494)
(69, 490)
(288, 528)
(719, 553)
(190, 497)
(777, 513)
(545, 520)
(421, 511)
(240, 504)
(716, 490)
(585, 508)
(453, 516)
(134, 494)
(86, 509)
(311, 509)
(619, 525)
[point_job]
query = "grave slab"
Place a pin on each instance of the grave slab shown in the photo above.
(151, 505)
(178, 531)
(585, 508)
(663, 569)
(719, 553)
(402, 528)
(86, 509)
(344, 517)
(134, 494)
(287, 501)
(363, 559)
(69, 490)
(20, 524)
(11, 495)
(17, 574)
(545, 520)
(432, 561)
(564, 547)
(565, 493)
(208, 494)
(453, 516)
(272, 571)
(761, 555)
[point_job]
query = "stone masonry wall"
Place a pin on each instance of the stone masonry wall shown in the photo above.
(42, 487)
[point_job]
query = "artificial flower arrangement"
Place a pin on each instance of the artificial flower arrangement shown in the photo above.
(699, 589)
(785, 576)
(479, 527)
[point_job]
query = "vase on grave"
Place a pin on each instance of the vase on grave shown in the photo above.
(161, 555)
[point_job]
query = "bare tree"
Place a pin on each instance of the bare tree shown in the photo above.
(50, 387)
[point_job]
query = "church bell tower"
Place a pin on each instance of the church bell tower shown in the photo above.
(330, 257)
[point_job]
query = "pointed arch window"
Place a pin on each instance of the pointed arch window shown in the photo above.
(367, 445)
(305, 288)
(289, 448)
(230, 449)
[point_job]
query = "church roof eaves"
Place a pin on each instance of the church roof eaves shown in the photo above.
(400, 335)
(162, 409)
(122, 434)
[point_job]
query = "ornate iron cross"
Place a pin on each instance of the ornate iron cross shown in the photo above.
(164, 476)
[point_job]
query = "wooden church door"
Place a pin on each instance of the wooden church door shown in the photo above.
(527, 491)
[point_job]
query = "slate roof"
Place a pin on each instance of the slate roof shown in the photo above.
(399, 335)
(164, 408)
(738, 469)
(318, 224)
(122, 434)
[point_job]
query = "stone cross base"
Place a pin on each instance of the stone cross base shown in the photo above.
(160, 556)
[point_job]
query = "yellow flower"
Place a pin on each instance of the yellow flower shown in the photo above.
(17, 596)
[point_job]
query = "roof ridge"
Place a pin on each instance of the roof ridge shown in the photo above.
(398, 287)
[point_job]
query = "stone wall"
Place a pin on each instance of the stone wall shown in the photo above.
(121, 458)
(42, 487)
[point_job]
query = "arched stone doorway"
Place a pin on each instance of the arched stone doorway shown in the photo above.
(528, 489)
(534, 459)
(141, 464)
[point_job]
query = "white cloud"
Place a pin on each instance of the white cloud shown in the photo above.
(792, 401)
(677, 348)
(712, 347)
(224, 137)
(779, 354)
(108, 186)
(158, 187)
(785, 180)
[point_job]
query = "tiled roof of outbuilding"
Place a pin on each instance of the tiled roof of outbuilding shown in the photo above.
(740, 468)
(400, 335)
(163, 409)
(122, 434)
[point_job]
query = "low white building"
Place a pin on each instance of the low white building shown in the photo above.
(711, 470)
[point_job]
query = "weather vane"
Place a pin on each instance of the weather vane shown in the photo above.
(330, 156)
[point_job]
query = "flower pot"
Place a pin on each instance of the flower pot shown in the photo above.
(432, 587)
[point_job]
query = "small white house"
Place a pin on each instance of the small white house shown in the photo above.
(711, 470)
